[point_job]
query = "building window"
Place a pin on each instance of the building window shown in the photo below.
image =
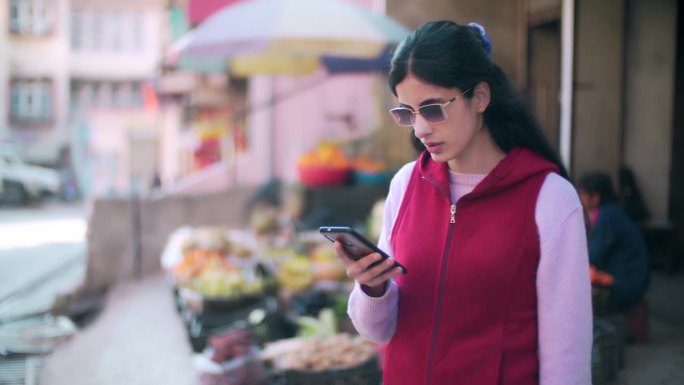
(31, 101)
(87, 94)
(31, 17)
(77, 31)
(99, 31)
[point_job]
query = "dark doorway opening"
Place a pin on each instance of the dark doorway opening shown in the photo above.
(677, 169)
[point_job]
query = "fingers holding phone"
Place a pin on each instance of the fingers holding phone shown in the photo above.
(365, 262)
(372, 271)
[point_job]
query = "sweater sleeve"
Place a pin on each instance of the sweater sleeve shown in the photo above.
(563, 287)
(376, 317)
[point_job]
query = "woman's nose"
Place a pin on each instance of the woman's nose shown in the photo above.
(421, 128)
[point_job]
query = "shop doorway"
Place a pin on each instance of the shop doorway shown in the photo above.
(677, 170)
(544, 58)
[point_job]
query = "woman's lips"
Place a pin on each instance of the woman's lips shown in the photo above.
(433, 146)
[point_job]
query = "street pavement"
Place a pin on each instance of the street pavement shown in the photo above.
(660, 362)
(138, 339)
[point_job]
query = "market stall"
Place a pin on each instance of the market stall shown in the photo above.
(266, 305)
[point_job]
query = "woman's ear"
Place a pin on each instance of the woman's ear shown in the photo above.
(481, 96)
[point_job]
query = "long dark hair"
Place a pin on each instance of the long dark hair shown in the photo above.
(598, 182)
(450, 55)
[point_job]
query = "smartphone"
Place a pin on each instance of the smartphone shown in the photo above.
(355, 244)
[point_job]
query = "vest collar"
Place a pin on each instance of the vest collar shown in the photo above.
(518, 165)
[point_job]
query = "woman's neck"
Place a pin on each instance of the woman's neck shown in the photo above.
(480, 157)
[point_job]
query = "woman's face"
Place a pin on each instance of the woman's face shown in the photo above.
(590, 201)
(459, 139)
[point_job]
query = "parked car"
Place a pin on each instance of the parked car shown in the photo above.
(23, 182)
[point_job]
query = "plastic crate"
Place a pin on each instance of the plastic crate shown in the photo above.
(198, 302)
(596, 367)
(618, 321)
(263, 319)
(603, 300)
(368, 373)
(606, 341)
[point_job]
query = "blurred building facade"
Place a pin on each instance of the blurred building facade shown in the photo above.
(64, 63)
(34, 76)
(115, 50)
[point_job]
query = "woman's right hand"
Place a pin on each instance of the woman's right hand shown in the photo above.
(373, 279)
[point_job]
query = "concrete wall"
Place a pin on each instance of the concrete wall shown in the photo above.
(599, 86)
(649, 90)
(111, 237)
(113, 241)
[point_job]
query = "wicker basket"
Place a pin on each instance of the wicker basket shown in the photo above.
(367, 373)
(316, 176)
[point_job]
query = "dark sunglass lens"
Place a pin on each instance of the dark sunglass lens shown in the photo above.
(403, 116)
(433, 113)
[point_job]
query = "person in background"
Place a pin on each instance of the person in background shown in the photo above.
(487, 224)
(617, 246)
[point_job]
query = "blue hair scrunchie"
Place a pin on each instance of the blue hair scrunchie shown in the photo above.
(483, 34)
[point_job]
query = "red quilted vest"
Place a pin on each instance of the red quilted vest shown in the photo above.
(468, 305)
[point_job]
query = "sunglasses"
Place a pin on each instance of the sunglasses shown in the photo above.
(432, 113)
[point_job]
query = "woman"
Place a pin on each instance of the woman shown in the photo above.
(487, 225)
(617, 246)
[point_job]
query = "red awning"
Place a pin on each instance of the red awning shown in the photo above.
(199, 10)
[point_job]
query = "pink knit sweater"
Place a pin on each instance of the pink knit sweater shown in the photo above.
(564, 299)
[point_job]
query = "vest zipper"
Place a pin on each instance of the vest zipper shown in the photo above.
(439, 187)
(438, 314)
(452, 209)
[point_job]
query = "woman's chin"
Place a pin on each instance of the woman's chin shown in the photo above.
(439, 157)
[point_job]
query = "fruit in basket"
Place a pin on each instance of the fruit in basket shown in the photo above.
(368, 164)
(218, 282)
(325, 264)
(295, 273)
(327, 165)
(195, 260)
(326, 154)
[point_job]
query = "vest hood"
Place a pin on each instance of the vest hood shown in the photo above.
(517, 166)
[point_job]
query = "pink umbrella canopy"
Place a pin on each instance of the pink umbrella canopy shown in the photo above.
(294, 28)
